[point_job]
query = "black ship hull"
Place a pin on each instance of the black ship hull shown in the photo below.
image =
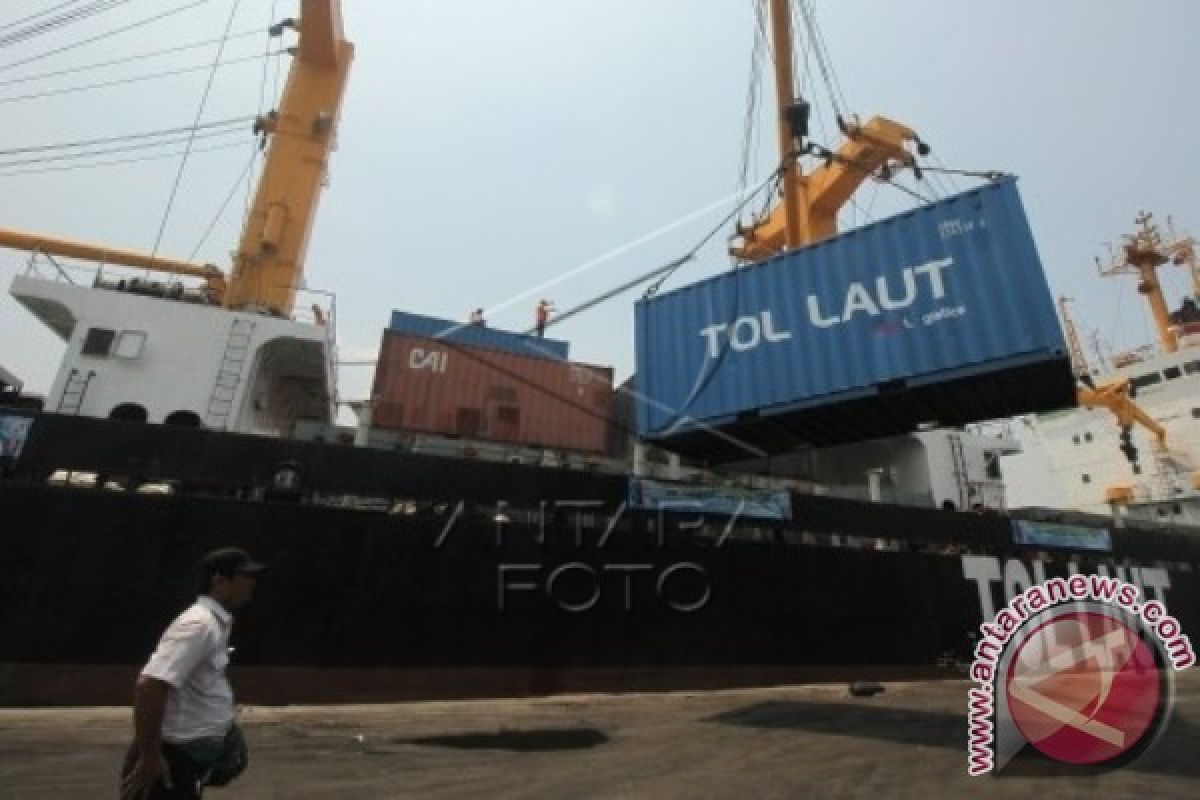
(443, 592)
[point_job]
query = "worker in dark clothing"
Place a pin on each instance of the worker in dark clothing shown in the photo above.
(542, 316)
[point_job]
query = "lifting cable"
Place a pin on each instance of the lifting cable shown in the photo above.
(162, 227)
(668, 270)
(126, 60)
(132, 79)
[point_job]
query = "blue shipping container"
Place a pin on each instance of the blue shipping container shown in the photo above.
(940, 314)
(478, 336)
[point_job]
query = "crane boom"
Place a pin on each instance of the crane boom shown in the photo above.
(824, 191)
(1115, 397)
(810, 203)
(71, 248)
(268, 266)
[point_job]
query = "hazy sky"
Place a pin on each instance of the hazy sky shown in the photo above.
(487, 147)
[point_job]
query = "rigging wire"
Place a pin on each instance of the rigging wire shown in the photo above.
(126, 148)
(37, 14)
(62, 20)
(825, 152)
(116, 162)
(101, 36)
(162, 227)
(771, 180)
(941, 170)
(247, 172)
(125, 60)
(237, 183)
(803, 9)
(231, 121)
(753, 92)
(125, 81)
(256, 147)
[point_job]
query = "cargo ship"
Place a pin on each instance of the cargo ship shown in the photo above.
(505, 521)
(1132, 448)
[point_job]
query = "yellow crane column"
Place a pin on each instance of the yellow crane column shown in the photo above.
(268, 266)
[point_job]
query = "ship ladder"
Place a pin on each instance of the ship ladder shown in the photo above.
(74, 391)
(961, 477)
(229, 373)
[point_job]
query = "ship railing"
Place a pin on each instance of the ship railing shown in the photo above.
(46, 267)
(318, 307)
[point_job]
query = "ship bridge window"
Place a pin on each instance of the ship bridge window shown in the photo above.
(1149, 379)
(1171, 373)
(1087, 437)
(1191, 367)
(98, 342)
(1087, 478)
(129, 344)
(1196, 413)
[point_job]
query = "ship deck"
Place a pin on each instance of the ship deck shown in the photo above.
(788, 742)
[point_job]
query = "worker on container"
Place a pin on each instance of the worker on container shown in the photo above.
(185, 731)
(541, 316)
(477, 317)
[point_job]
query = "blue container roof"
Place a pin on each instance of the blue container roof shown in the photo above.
(478, 336)
(945, 295)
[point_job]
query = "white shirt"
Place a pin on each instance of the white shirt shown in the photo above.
(191, 657)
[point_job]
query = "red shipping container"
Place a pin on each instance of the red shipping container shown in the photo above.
(443, 387)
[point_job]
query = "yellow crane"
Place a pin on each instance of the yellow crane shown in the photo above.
(1114, 396)
(810, 202)
(268, 266)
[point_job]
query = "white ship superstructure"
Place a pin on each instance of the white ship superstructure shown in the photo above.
(1141, 468)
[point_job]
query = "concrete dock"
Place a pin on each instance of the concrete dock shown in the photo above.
(791, 742)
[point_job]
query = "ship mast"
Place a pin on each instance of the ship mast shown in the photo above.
(809, 204)
(794, 201)
(1142, 255)
(1182, 250)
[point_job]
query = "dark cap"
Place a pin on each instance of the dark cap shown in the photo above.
(230, 561)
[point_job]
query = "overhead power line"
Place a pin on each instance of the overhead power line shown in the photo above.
(87, 87)
(102, 36)
(127, 60)
(125, 148)
(162, 226)
(62, 20)
(221, 123)
(116, 162)
(37, 14)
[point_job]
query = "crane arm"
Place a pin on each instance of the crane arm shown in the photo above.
(826, 189)
(268, 266)
(71, 248)
(1115, 397)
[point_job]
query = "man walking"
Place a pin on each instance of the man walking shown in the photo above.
(185, 736)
